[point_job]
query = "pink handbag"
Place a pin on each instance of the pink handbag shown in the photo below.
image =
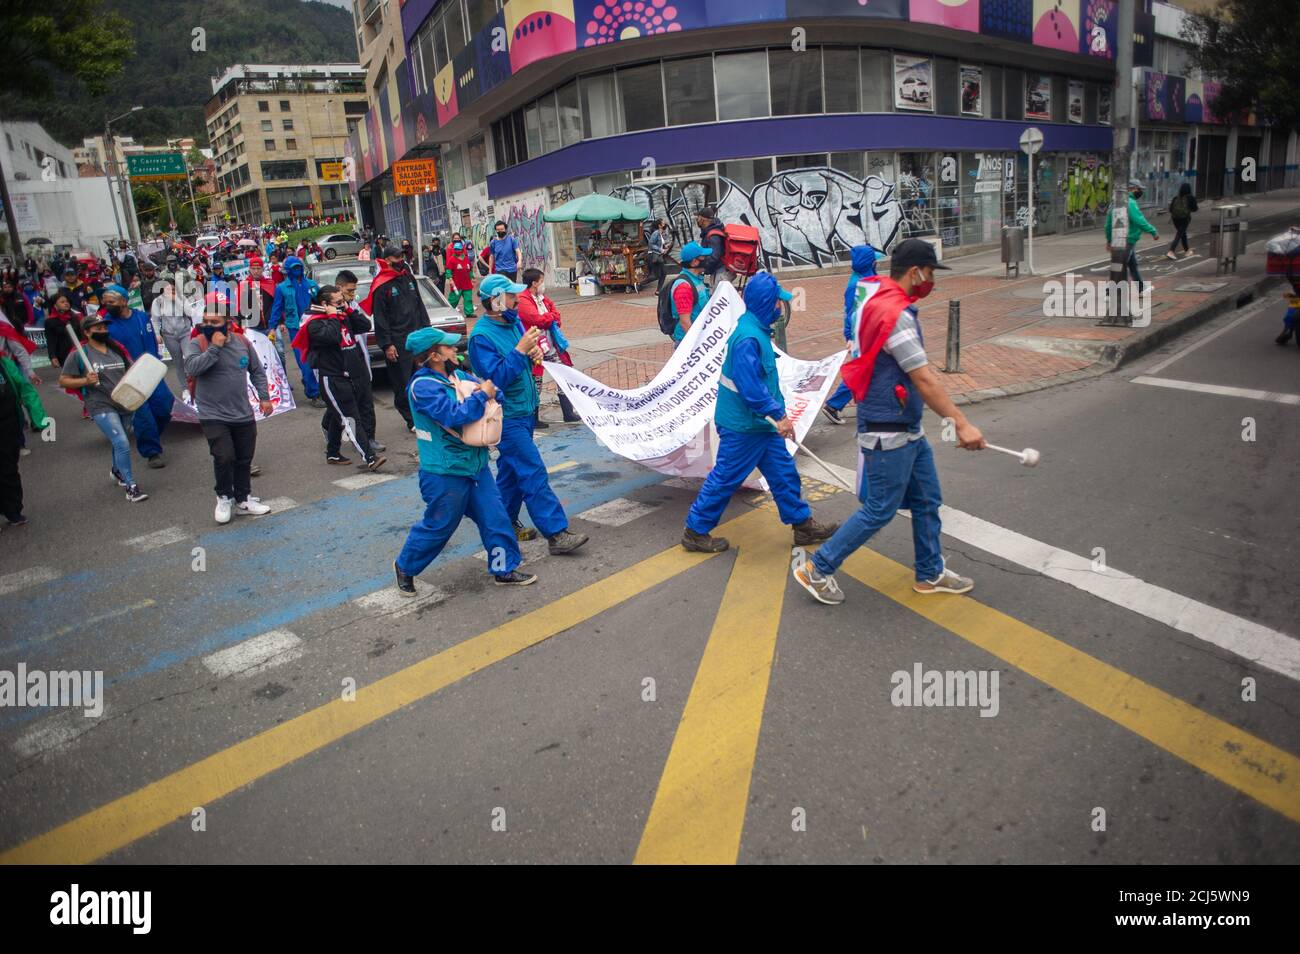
(486, 431)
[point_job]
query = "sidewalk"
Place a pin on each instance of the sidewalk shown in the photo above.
(1009, 343)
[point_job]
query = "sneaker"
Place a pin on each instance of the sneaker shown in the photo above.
(317, 402)
(252, 506)
(338, 459)
(515, 578)
(1171, 256)
(945, 582)
(832, 415)
(376, 462)
(702, 542)
(224, 507)
(405, 582)
(157, 462)
(824, 589)
(539, 424)
(410, 428)
(810, 531)
(523, 533)
(135, 494)
(1283, 338)
(17, 521)
(25, 452)
(117, 475)
(377, 447)
(565, 542)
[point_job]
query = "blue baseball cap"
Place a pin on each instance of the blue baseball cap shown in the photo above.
(782, 294)
(693, 250)
(495, 285)
(426, 338)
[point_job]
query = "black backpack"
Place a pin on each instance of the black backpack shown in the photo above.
(664, 308)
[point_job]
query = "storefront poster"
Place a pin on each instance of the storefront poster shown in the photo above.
(971, 91)
(1075, 110)
(1097, 36)
(914, 83)
(1038, 97)
(1103, 105)
(1153, 99)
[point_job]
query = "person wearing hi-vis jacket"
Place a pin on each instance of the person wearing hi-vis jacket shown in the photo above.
(455, 480)
(500, 350)
(749, 393)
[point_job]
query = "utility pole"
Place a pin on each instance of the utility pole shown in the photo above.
(14, 238)
(124, 189)
(1122, 117)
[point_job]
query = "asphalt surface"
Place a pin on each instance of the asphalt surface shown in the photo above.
(536, 725)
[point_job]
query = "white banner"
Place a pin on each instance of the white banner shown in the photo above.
(667, 425)
(277, 384)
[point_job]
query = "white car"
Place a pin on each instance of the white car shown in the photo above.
(204, 241)
(339, 243)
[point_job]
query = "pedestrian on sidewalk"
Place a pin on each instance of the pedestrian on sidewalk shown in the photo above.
(749, 393)
(455, 480)
(1180, 214)
(108, 362)
(689, 292)
(659, 243)
(864, 266)
(324, 339)
(892, 381)
(1137, 224)
(220, 361)
(134, 331)
(538, 311)
(460, 273)
(713, 236)
(500, 350)
(394, 303)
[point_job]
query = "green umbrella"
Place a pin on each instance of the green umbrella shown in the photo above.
(597, 208)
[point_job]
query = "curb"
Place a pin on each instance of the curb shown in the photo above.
(1117, 355)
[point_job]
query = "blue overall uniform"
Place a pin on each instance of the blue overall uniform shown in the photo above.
(864, 264)
(136, 334)
(293, 298)
(455, 480)
(749, 392)
(521, 475)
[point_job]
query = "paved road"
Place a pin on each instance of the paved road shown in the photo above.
(641, 703)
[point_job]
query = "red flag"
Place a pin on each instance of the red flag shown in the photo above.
(386, 274)
(13, 334)
(880, 312)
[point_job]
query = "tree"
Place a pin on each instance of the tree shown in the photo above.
(1251, 48)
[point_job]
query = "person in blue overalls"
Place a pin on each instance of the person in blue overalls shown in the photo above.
(455, 480)
(864, 264)
(293, 298)
(749, 392)
(500, 350)
(134, 331)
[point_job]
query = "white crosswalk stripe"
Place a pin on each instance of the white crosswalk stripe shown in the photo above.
(616, 512)
(361, 481)
(255, 655)
(392, 603)
(159, 538)
(32, 576)
(1277, 397)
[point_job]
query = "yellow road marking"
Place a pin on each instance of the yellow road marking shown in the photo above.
(141, 813)
(564, 466)
(1266, 773)
(699, 808)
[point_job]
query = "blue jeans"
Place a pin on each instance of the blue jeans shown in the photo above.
(521, 476)
(892, 480)
(1132, 265)
(114, 427)
(739, 452)
(449, 499)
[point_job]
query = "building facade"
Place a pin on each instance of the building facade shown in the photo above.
(279, 134)
(824, 123)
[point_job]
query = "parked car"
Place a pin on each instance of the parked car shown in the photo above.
(441, 314)
(340, 243)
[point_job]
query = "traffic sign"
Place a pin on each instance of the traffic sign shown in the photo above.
(156, 166)
(331, 172)
(1031, 140)
(415, 176)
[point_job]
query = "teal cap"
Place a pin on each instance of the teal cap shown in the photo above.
(426, 338)
(495, 285)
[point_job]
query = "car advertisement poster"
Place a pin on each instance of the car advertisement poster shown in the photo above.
(914, 83)
(1075, 101)
(1038, 97)
(972, 103)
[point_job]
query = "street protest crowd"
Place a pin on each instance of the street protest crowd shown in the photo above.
(215, 308)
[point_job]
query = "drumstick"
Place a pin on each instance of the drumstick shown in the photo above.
(76, 342)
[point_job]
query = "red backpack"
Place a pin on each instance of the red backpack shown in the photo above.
(739, 247)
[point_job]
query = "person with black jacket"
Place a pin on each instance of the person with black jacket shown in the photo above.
(357, 358)
(327, 333)
(713, 236)
(394, 303)
(1180, 213)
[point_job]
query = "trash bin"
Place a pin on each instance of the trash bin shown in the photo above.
(1013, 247)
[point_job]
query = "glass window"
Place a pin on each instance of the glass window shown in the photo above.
(291, 144)
(285, 169)
(284, 105)
(455, 27)
(991, 92)
(877, 81)
(796, 80)
(1090, 103)
(268, 145)
(503, 143)
(263, 106)
(550, 122)
(533, 129)
(521, 137)
(642, 92)
(431, 52)
(481, 13)
(453, 167)
(840, 69)
(746, 173)
(741, 85)
(566, 98)
(850, 163)
(477, 151)
(947, 81)
(601, 115)
(916, 184)
(787, 163)
(691, 83)
(288, 124)
(1060, 99)
(266, 125)
(1013, 86)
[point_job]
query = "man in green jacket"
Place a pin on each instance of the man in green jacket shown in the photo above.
(1137, 224)
(15, 393)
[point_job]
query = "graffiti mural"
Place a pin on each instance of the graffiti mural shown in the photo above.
(475, 218)
(527, 226)
(1087, 188)
(676, 202)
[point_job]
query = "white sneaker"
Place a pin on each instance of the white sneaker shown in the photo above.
(224, 505)
(253, 506)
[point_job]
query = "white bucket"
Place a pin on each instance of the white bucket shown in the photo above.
(139, 382)
(587, 287)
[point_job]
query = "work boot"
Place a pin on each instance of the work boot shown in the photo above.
(832, 415)
(405, 582)
(523, 533)
(702, 542)
(810, 531)
(1284, 337)
(565, 542)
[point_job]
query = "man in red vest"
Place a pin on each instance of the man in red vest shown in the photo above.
(892, 382)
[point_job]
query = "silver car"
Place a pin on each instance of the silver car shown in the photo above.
(441, 314)
(340, 243)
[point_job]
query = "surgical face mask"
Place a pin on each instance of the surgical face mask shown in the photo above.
(458, 245)
(100, 336)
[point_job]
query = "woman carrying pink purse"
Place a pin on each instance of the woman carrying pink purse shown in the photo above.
(456, 419)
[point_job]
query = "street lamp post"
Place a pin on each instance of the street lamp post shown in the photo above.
(110, 149)
(194, 208)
